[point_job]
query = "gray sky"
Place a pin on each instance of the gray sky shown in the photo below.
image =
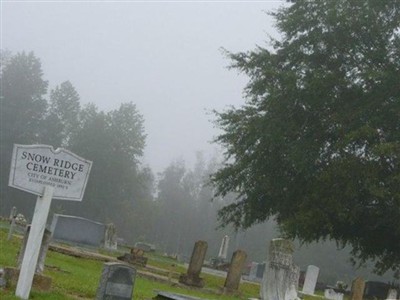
(164, 56)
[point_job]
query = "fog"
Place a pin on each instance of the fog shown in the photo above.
(164, 56)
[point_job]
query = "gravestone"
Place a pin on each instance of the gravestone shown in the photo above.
(376, 289)
(260, 270)
(223, 250)
(311, 280)
(162, 295)
(13, 213)
(116, 282)
(42, 252)
(192, 277)
(357, 289)
(232, 280)
(281, 276)
(110, 238)
(253, 270)
(256, 272)
(331, 294)
(12, 219)
(77, 230)
(392, 294)
(145, 247)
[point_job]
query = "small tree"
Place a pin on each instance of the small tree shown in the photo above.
(317, 143)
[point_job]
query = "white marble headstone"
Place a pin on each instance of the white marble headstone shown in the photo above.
(223, 250)
(311, 280)
(392, 294)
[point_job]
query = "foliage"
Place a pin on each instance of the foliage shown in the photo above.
(22, 112)
(184, 194)
(316, 145)
(63, 115)
(119, 187)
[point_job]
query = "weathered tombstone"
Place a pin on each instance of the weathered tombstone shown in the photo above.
(223, 250)
(279, 280)
(294, 277)
(260, 270)
(116, 282)
(77, 230)
(232, 280)
(392, 294)
(357, 289)
(135, 257)
(253, 270)
(42, 252)
(110, 238)
(331, 294)
(13, 213)
(311, 280)
(13, 216)
(256, 272)
(376, 289)
(47, 173)
(192, 277)
(145, 246)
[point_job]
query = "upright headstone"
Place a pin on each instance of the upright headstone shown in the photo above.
(192, 277)
(110, 237)
(253, 270)
(116, 282)
(13, 216)
(295, 277)
(331, 294)
(223, 249)
(232, 280)
(392, 294)
(357, 289)
(376, 289)
(42, 252)
(77, 230)
(280, 275)
(311, 280)
(13, 213)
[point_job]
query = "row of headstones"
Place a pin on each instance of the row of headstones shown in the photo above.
(281, 277)
(192, 276)
(280, 280)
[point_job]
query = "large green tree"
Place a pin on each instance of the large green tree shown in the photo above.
(118, 187)
(62, 120)
(317, 143)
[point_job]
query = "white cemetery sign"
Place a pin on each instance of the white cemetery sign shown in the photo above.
(40, 170)
(36, 166)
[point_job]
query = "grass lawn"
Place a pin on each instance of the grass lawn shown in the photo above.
(77, 278)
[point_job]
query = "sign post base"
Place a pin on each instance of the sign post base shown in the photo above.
(29, 261)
